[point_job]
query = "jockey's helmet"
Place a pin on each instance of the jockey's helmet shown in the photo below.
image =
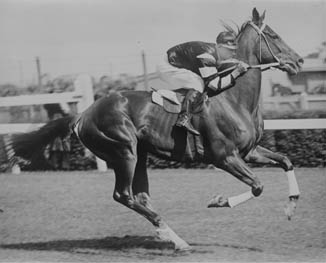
(227, 40)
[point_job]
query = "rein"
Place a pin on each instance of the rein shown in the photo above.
(263, 67)
(260, 32)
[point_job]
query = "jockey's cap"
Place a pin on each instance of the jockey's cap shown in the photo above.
(227, 40)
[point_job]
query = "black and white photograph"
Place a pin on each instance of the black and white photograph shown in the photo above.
(162, 131)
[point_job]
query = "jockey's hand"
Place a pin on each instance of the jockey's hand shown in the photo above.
(241, 68)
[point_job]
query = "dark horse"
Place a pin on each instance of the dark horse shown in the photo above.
(124, 127)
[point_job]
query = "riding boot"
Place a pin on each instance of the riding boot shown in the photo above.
(184, 116)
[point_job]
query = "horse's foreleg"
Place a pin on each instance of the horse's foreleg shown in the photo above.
(238, 168)
(262, 155)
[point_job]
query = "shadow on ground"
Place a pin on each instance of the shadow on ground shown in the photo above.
(255, 249)
(107, 243)
(117, 243)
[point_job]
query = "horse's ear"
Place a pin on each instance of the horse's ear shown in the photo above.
(255, 16)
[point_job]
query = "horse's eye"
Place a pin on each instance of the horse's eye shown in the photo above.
(272, 35)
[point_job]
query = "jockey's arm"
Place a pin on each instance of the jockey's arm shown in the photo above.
(217, 81)
(220, 84)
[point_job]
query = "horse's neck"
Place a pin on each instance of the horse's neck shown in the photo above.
(247, 88)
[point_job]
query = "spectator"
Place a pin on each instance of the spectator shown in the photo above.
(59, 149)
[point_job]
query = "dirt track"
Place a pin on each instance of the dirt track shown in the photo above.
(72, 217)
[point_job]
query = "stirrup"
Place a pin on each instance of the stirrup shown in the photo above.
(192, 130)
(183, 122)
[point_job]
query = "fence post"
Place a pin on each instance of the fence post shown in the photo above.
(84, 85)
(303, 102)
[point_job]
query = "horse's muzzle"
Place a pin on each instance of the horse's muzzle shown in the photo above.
(290, 66)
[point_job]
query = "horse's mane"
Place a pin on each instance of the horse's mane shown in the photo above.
(230, 28)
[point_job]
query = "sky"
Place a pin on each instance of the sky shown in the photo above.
(107, 36)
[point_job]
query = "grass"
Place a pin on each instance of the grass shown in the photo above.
(59, 216)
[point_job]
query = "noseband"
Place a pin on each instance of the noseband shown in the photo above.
(260, 32)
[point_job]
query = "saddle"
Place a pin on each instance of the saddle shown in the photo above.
(170, 100)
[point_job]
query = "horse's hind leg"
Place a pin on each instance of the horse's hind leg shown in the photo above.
(140, 189)
(262, 155)
(140, 185)
(238, 168)
(124, 171)
(121, 153)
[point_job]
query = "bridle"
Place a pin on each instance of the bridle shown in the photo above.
(261, 35)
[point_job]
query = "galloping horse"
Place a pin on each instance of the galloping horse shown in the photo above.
(124, 127)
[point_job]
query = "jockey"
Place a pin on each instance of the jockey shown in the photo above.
(198, 68)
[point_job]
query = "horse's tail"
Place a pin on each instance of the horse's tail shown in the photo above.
(27, 145)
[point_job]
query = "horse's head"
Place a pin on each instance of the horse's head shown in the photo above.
(270, 48)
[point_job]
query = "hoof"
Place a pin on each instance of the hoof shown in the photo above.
(294, 198)
(256, 191)
(167, 234)
(182, 246)
(182, 249)
(218, 201)
(289, 209)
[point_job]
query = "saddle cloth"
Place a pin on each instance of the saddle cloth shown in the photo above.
(170, 100)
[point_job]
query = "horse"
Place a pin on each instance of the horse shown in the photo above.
(123, 127)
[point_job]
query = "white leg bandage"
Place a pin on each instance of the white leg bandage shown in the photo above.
(293, 185)
(239, 199)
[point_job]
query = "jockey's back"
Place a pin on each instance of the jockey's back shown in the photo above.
(185, 55)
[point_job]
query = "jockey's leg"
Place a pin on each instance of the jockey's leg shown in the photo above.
(180, 78)
(186, 111)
